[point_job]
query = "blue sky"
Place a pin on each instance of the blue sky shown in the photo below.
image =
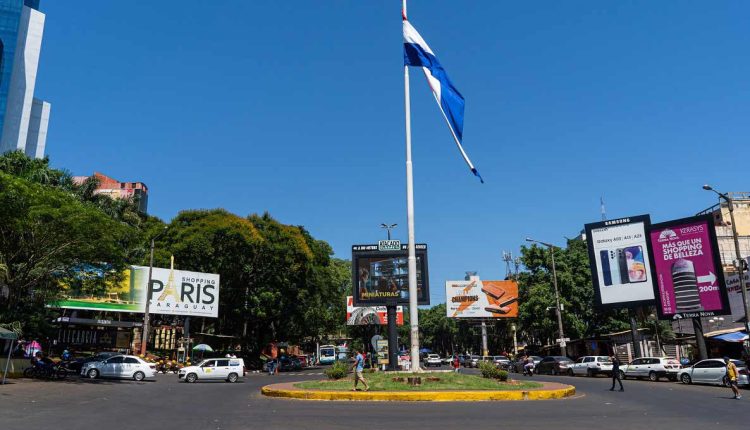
(296, 108)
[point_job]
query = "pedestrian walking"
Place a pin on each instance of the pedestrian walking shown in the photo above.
(359, 367)
(732, 377)
(456, 364)
(616, 372)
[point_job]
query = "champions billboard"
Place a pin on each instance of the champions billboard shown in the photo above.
(689, 273)
(381, 277)
(481, 299)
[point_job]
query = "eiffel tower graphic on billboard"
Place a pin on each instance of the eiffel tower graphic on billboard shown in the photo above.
(169, 289)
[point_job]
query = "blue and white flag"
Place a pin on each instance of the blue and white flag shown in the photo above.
(418, 54)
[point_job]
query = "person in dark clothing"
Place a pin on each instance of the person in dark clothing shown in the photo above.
(616, 372)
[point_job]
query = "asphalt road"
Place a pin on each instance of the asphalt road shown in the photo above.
(166, 404)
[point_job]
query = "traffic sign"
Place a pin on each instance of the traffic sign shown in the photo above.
(567, 339)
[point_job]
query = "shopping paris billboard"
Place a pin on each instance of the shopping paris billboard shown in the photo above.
(175, 292)
(481, 299)
(380, 274)
(689, 276)
(621, 268)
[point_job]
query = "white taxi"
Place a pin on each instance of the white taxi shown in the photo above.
(227, 369)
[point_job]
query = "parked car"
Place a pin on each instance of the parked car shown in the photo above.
(304, 360)
(652, 368)
(120, 366)
(471, 361)
(713, 371)
(553, 365)
(432, 360)
(591, 365)
(228, 369)
(288, 363)
(501, 362)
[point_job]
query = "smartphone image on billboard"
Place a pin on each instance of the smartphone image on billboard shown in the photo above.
(606, 270)
(614, 267)
(635, 263)
(622, 263)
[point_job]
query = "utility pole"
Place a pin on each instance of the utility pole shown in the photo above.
(146, 319)
(508, 258)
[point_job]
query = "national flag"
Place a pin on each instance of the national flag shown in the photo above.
(418, 54)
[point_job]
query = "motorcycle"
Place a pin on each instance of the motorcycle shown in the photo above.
(528, 369)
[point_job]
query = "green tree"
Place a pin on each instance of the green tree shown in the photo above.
(46, 236)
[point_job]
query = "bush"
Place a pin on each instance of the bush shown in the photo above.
(338, 370)
(489, 371)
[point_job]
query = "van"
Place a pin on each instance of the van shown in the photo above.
(227, 369)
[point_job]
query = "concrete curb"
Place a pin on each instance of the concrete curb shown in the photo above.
(287, 390)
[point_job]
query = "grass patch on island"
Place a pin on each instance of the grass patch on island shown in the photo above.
(383, 381)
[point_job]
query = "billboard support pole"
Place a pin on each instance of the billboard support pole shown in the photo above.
(146, 319)
(413, 310)
(485, 350)
(392, 338)
(699, 339)
(634, 334)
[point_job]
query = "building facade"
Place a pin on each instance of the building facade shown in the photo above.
(23, 118)
(137, 191)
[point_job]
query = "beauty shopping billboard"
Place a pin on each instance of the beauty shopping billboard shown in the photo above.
(366, 315)
(621, 268)
(175, 292)
(689, 273)
(481, 299)
(380, 277)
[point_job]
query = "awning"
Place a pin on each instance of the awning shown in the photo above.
(732, 337)
(7, 334)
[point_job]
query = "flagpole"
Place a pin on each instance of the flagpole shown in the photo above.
(413, 310)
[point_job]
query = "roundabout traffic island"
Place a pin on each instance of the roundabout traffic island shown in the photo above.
(423, 387)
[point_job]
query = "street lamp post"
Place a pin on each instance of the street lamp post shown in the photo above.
(740, 268)
(146, 319)
(563, 349)
(388, 227)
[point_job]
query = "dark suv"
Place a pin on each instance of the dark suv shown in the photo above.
(553, 365)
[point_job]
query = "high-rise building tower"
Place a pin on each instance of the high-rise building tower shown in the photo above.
(23, 118)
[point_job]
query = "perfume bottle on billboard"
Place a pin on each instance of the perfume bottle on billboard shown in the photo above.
(686, 296)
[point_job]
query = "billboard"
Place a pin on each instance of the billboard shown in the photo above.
(118, 294)
(621, 268)
(365, 315)
(179, 292)
(481, 299)
(689, 275)
(380, 277)
(174, 292)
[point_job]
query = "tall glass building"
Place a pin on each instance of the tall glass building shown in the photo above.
(23, 118)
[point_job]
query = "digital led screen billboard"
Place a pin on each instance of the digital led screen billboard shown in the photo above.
(380, 278)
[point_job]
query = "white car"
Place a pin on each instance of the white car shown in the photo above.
(652, 368)
(712, 371)
(120, 366)
(432, 360)
(227, 369)
(591, 365)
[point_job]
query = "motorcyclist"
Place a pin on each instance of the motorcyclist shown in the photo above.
(528, 367)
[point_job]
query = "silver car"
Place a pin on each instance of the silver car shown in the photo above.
(120, 366)
(712, 371)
